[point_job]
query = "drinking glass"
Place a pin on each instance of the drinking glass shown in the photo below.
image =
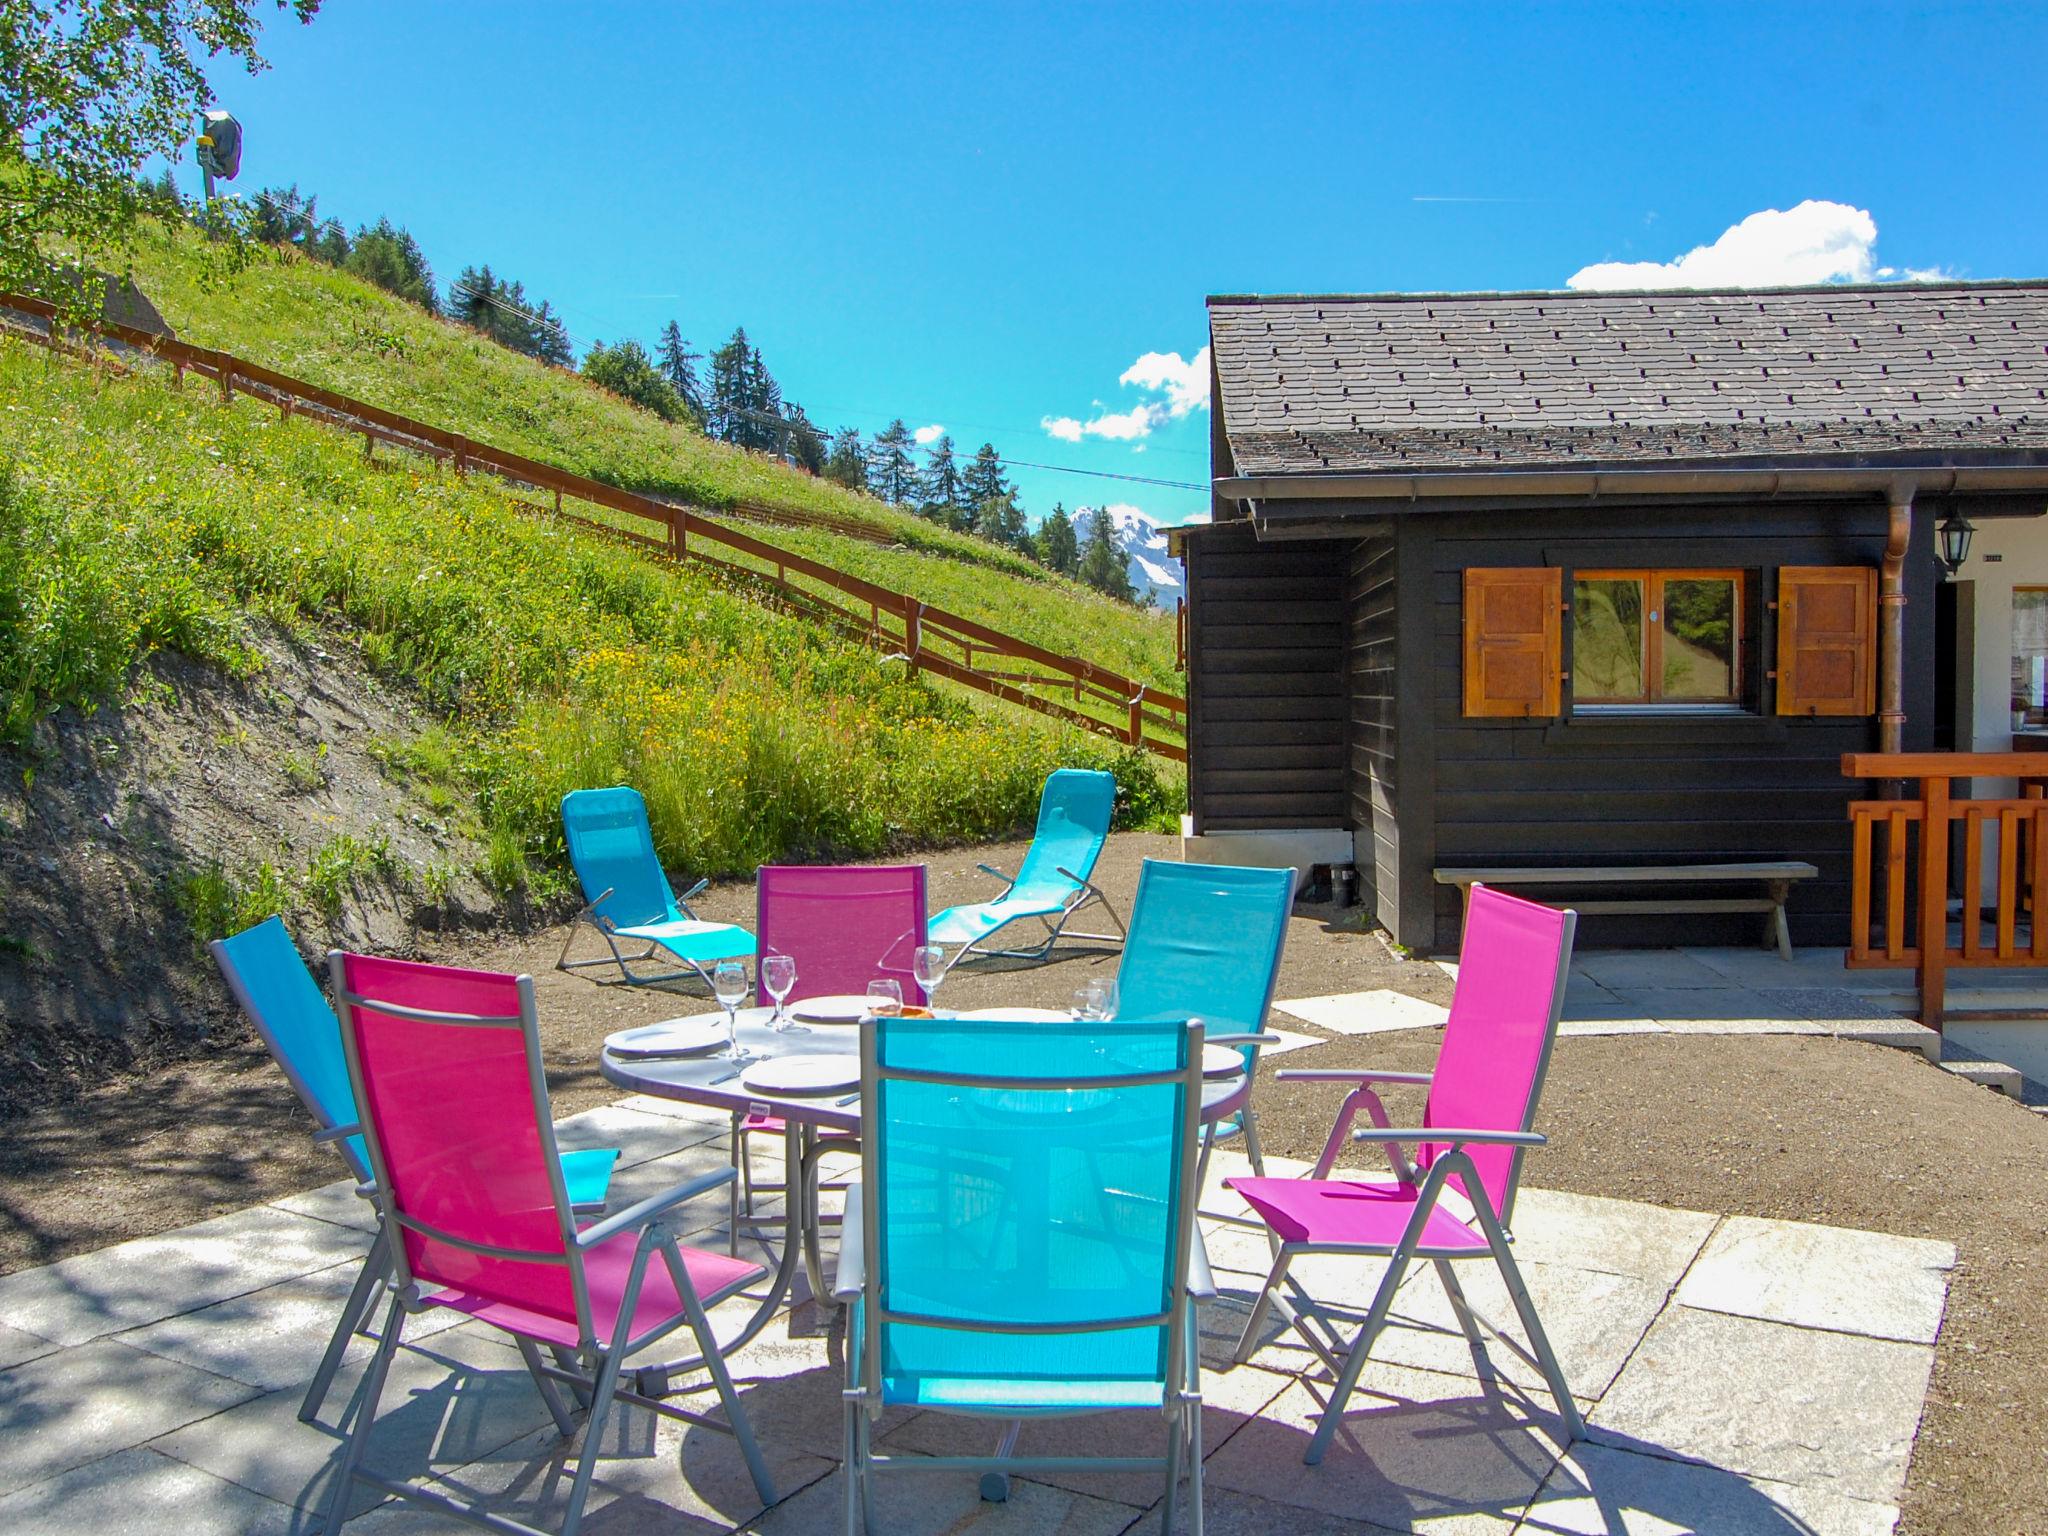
(778, 977)
(1095, 1001)
(885, 997)
(928, 965)
(729, 985)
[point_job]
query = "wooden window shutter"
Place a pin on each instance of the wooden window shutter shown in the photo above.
(1514, 638)
(1827, 640)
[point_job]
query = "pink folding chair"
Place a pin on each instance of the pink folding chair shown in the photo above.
(1455, 1198)
(447, 1072)
(845, 925)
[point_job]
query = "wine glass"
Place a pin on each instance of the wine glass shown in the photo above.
(885, 997)
(729, 985)
(1095, 1001)
(928, 965)
(778, 977)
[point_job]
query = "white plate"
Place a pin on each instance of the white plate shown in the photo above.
(671, 1037)
(802, 1077)
(843, 1008)
(1222, 1061)
(1022, 1015)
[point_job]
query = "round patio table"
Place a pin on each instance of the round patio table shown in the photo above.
(716, 1084)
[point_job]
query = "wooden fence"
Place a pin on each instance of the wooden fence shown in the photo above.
(925, 637)
(1903, 856)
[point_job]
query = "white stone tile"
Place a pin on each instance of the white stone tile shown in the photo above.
(1240, 1514)
(1764, 1023)
(1288, 1040)
(947, 1504)
(1602, 1491)
(338, 1203)
(1622, 1237)
(1796, 1405)
(1366, 1013)
(78, 1405)
(1664, 968)
(141, 1493)
(1823, 1277)
(638, 1137)
(17, 1346)
(1621, 1024)
(150, 1278)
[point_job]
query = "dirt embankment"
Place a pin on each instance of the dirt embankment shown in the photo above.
(124, 833)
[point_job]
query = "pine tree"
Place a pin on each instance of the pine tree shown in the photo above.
(848, 461)
(983, 480)
(500, 309)
(548, 338)
(726, 409)
(806, 448)
(1001, 521)
(386, 254)
(679, 365)
(892, 474)
(1104, 565)
(941, 487)
(628, 372)
(767, 432)
(330, 244)
(1057, 547)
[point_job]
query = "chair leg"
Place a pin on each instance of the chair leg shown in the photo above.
(1568, 1410)
(1446, 1272)
(721, 1378)
(1176, 1438)
(376, 1266)
(850, 1405)
(1354, 1362)
(1248, 1341)
(869, 1518)
(1195, 1467)
(557, 1409)
(601, 1395)
(366, 1416)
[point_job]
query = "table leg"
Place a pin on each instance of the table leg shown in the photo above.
(807, 1194)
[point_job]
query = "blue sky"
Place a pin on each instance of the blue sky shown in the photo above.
(983, 216)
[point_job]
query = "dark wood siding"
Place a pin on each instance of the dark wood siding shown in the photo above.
(1644, 790)
(1266, 682)
(1371, 763)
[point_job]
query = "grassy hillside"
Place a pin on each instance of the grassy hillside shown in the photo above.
(326, 327)
(136, 517)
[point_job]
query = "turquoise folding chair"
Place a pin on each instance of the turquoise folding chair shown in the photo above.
(1022, 1243)
(1055, 881)
(278, 994)
(1206, 941)
(627, 896)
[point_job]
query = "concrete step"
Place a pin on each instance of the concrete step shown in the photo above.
(1904, 1035)
(1992, 1074)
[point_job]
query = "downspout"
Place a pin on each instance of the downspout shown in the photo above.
(1891, 621)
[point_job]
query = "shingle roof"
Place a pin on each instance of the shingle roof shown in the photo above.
(1944, 373)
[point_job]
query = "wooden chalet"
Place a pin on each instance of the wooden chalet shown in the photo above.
(1601, 582)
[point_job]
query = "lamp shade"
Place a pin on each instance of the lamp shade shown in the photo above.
(1955, 532)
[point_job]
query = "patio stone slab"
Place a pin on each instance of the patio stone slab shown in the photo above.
(1823, 1277)
(1621, 1237)
(1599, 1490)
(1825, 1410)
(1417, 1451)
(1624, 1022)
(1287, 1040)
(17, 1346)
(140, 1493)
(1819, 968)
(151, 1278)
(1762, 1023)
(1615, 969)
(337, 1202)
(81, 1404)
(1226, 1513)
(1366, 1013)
(640, 1137)
(674, 1109)
(461, 1398)
(947, 1504)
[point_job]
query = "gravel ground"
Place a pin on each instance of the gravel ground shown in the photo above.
(1773, 1126)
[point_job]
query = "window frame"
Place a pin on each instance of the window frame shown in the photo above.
(1651, 648)
(2032, 716)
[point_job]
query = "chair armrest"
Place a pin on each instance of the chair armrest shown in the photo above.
(1436, 1133)
(636, 1216)
(990, 869)
(1241, 1040)
(1350, 1075)
(1201, 1284)
(851, 1278)
(338, 1132)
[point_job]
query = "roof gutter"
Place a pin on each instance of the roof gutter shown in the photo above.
(1574, 484)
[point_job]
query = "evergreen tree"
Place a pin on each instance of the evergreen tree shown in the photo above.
(726, 409)
(1001, 521)
(848, 461)
(500, 309)
(628, 372)
(679, 366)
(329, 243)
(548, 339)
(170, 201)
(806, 444)
(941, 489)
(766, 432)
(1104, 565)
(892, 474)
(387, 255)
(1057, 547)
(983, 480)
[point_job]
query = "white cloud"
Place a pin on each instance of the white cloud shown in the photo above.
(1065, 428)
(1186, 383)
(1125, 426)
(926, 436)
(1815, 242)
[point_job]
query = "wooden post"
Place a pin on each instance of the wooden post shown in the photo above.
(913, 630)
(1137, 735)
(1933, 897)
(558, 501)
(227, 384)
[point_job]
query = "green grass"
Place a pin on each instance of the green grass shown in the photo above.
(135, 516)
(330, 329)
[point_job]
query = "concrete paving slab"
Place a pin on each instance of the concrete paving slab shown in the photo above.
(1603, 1491)
(151, 1278)
(1835, 1005)
(932, 1503)
(1905, 1035)
(1288, 1040)
(1763, 1023)
(1823, 968)
(1615, 969)
(17, 1346)
(80, 1404)
(1621, 1237)
(675, 1109)
(1366, 1013)
(1623, 1022)
(141, 1493)
(1416, 1451)
(337, 1202)
(449, 1404)
(1833, 1411)
(639, 1136)
(1823, 1277)
(1240, 1514)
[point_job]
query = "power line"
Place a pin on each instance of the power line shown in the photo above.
(1106, 474)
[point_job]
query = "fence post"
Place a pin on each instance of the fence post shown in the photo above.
(227, 384)
(913, 630)
(1137, 734)
(1933, 895)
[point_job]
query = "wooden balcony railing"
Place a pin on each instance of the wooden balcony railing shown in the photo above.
(1905, 855)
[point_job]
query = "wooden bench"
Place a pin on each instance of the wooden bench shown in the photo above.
(1776, 878)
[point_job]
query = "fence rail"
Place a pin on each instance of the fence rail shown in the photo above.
(1907, 854)
(927, 638)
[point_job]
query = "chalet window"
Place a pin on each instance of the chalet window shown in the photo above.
(1657, 637)
(2029, 656)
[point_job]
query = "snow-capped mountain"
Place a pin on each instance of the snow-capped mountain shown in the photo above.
(1154, 573)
